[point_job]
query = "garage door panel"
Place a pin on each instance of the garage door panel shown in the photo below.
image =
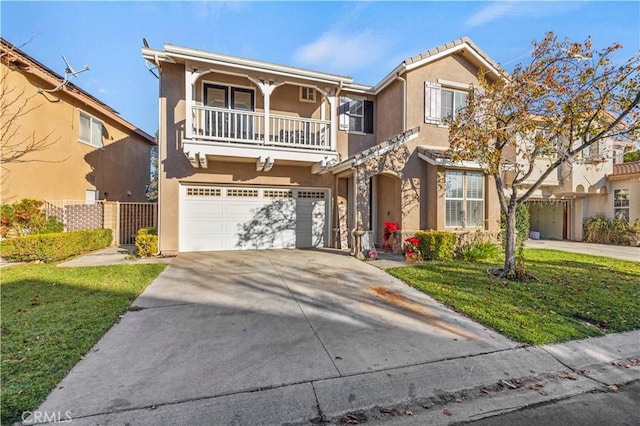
(268, 218)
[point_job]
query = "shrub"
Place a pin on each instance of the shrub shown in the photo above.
(53, 247)
(27, 217)
(479, 250)
(597, 229)
(147, 242)
(436, 245)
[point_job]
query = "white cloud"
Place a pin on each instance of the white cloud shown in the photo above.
(497, 10)
(489, 13)
(338, 51)
(102, 91)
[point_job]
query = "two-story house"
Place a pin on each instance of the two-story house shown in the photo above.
(77, 147)
(261, 155)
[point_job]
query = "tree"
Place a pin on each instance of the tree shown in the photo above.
(569, 98)
(152, 188)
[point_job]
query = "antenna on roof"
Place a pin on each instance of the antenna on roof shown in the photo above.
(145, 43)
(68, 71)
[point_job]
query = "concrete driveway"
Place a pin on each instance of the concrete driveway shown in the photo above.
(215, 327)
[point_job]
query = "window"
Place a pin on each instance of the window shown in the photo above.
(451, 102)
(464, 199)
(441, 103)
(356, 115)
(90, 130)
(307, 94)
(621, 204)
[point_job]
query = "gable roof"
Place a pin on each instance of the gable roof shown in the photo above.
(13, 56)
(464, 45)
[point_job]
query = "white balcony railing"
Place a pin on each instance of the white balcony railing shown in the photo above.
(247, 127)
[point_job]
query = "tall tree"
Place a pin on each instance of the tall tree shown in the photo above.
(569, 98)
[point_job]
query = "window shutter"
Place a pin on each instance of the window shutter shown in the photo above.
(432, 103)
(368, 117)
(343, 110)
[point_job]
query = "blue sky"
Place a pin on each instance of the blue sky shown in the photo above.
(365, 40)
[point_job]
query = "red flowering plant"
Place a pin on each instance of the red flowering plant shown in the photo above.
(411, 248)
(389, 227)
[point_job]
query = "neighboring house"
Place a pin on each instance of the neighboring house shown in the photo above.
(89, 151)
(261, 155)
(624, 196)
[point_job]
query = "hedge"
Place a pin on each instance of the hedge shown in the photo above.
(53, 247)
(147, 242)
(437, 245)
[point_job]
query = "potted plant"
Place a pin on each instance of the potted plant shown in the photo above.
(411, 252)
(389, 229)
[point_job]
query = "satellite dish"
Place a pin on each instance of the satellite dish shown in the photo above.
(145, 42)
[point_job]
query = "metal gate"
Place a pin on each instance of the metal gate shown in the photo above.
(133, 216)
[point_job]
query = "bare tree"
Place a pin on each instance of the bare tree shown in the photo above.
(569, 98)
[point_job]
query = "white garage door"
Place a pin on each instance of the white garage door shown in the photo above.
(234, 218)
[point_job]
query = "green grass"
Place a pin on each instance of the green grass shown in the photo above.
(576, 296)
(51, 317)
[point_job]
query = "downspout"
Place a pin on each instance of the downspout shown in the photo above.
(404, 102)
(160, 141)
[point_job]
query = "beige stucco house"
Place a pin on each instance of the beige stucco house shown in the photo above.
(262, 155)
(86, 150)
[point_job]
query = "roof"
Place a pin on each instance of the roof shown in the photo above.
(464, 45)
(620, 169)
(173, 53)
(11, 54)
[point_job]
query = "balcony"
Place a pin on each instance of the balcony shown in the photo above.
(245, 127)
(266, 137)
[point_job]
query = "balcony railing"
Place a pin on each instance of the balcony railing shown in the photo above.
(247, 127)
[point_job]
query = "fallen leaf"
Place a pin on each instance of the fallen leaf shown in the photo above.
(613, 388)
(458, 400)
(387, 410)
(338, 357)
(446, 412)
(408, 412)
(425, 406)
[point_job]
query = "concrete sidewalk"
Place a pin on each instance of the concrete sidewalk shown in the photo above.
(115, 255)
(617, 252)
(443, 392)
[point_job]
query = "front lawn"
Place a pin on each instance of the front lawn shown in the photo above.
(576, 296)
(51, 317)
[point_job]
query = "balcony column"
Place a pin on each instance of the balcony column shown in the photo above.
(188, 100)
(266, 87)
(332, 98)
(191, 75)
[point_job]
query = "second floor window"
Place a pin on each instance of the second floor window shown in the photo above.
(90, 130)
(307, 94)
(356, 115)
(451, 102)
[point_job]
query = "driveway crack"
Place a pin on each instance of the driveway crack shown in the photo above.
(305, 317)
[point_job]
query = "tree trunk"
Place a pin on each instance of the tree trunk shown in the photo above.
(509, 270)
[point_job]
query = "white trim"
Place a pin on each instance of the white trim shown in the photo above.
(248, 64)
(454, 84)
(223, 149)
(470, 165)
